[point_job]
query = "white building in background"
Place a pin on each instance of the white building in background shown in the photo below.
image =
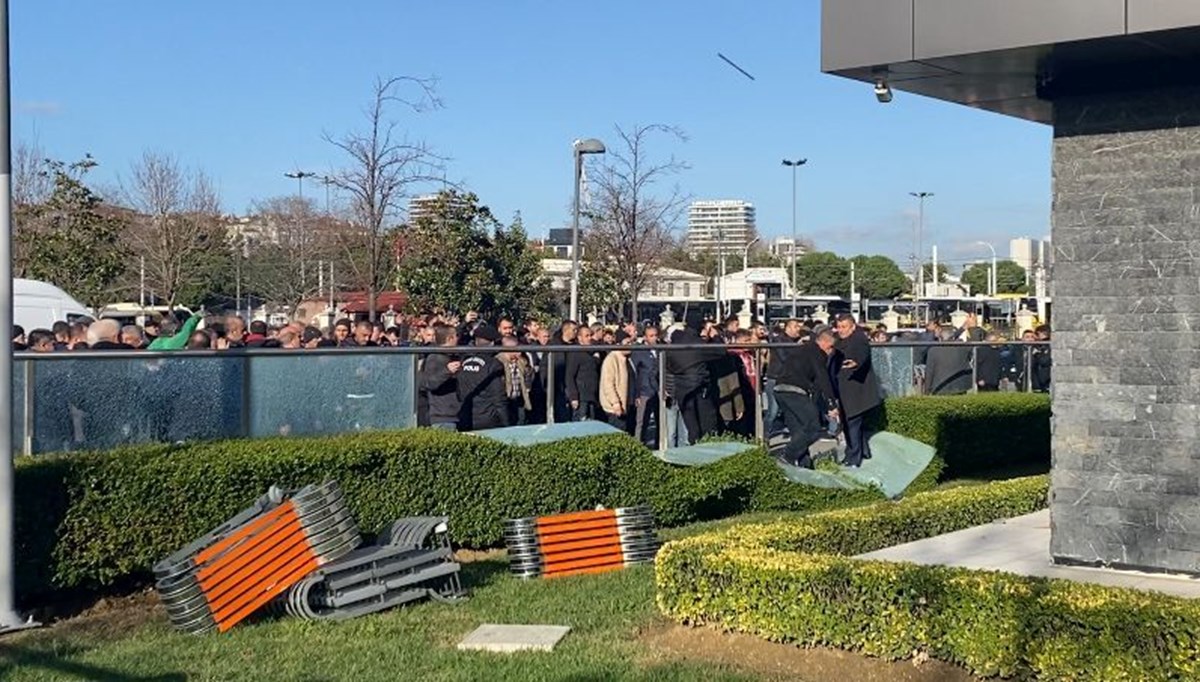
(425, 206)
(665, 285)
(785, 247)
(720, 227)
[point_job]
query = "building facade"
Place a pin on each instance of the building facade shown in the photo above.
(721, 227)
(1119, 83)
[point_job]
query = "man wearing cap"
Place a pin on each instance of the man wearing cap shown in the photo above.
(481, 386)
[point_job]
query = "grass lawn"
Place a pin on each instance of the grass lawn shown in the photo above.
(612, 617)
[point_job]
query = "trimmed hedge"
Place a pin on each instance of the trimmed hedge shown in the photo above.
(90, 520)
(973, 433)
(793, 582)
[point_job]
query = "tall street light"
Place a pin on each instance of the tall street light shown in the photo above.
(993, 283)
(579, 148)
(745, 271)
(9, 620)
(794, 165)
(920, 274)
(299, 176)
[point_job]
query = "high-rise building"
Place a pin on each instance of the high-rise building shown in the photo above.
(720, 227)
(786, 248)
(1024, 252)
(426, 205)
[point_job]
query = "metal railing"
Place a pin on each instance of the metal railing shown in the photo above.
(105, 399)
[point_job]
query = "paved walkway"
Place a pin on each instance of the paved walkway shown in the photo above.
(1022, 546)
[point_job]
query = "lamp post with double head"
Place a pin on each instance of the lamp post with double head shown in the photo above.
(579, 148)
(299, 176)
(794, 165)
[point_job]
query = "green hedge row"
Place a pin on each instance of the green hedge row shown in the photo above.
(795, 582)
(90, 520)
(973, 433)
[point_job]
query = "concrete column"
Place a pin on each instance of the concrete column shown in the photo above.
(1126, 342)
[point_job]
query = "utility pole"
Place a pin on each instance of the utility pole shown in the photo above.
(299, 176)
(919, 280)
(794, 165)
(853, 308)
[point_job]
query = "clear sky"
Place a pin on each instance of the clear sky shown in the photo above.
(244, 90)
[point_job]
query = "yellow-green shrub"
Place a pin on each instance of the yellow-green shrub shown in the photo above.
(794, 581)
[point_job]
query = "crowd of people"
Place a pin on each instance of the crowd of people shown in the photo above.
(473, 375)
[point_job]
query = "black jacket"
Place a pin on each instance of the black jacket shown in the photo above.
(807, 367)
(440, 389)
(481, 390)
(582, 377)
(858, 387)
(645, 364)
(988, 367)
(948, 369)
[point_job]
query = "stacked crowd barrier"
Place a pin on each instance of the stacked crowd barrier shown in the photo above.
(582, 542)
(222, 578)
(412, 559)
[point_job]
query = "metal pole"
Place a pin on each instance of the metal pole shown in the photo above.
(995, 275)
(142, 291)
(795, 238)
(575, 241)
(662, 398)
(9, 620)
(548, 358)
(759, 402)
(921, 246)
(974, 369)
(30, 406)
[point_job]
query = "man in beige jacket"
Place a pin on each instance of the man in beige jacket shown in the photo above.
(615, 385)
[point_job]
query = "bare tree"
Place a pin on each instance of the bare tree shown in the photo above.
(178, 228)
(32, 184)
(280, 243)
(632, 219)
(382, 167)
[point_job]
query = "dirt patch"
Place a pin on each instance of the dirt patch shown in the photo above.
(786, 662)
(109, 617)
(470, 556)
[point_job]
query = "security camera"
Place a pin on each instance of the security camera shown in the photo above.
(883, 92)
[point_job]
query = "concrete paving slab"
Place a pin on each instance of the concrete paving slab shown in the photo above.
(510, 638)
(1022, 546)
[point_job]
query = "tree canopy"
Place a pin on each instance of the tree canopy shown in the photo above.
(460, 258)
(1010, 278)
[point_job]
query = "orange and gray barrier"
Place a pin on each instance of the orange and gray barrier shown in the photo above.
(222, 578)
(582, 542)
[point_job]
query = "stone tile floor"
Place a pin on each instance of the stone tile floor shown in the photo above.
(1022, 546)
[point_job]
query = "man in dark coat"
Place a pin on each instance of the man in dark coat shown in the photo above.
(948, 369)
(858, 388)
(803, 390)
(645, 365)
(582, 380)
(689, 374)
(439, 381)
(989, 365)
(481, 386)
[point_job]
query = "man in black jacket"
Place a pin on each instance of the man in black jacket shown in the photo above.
(857, 388)
(803, 389)
(988, 365)
(582, 380)
(645, 364)
(481, 386)
(439, 381)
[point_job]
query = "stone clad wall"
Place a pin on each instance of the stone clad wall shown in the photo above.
(1126, 288)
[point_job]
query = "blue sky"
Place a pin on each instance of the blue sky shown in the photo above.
(245, 89)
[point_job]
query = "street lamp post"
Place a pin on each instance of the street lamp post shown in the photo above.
(794, 165)
(579, 148)
(920, 274)
(993, 283)
(299, 176)
(9, 620)
(745, 275)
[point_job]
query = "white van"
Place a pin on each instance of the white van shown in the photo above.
(135, 313)
(38, 305)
